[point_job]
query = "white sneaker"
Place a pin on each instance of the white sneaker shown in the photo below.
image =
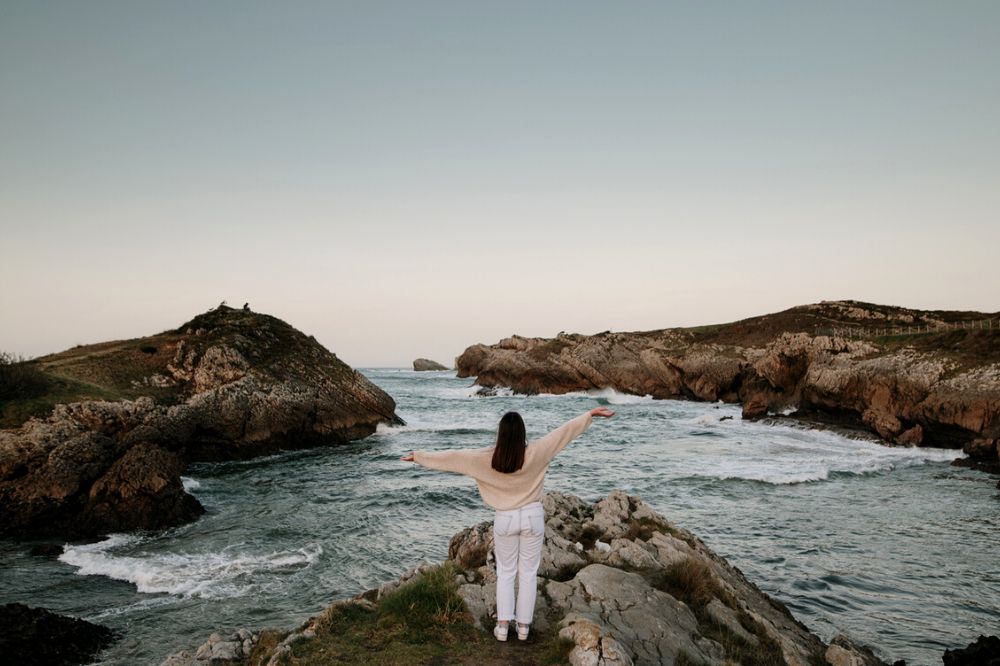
(522, 631)
(500, 631)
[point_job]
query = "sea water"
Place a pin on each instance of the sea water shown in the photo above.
(892, 546)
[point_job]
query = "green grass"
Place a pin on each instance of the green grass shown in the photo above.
(60, 390)
(424, 621)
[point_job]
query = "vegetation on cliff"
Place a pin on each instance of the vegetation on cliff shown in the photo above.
(912, 377)
(102, 448)
(618, 585)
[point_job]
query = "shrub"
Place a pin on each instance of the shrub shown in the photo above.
(690, 581)
(429, 600)
(20, 379)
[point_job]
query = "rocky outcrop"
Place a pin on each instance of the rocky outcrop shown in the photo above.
(620, 582)
(937, 389)
(984, 651)
(230, 384)
(36, 637)
(423, 364)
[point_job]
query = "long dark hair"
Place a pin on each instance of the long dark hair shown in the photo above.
(508, 455)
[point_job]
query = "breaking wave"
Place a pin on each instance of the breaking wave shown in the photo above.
(224, 574)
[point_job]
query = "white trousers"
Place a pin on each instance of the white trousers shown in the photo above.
(518, 535)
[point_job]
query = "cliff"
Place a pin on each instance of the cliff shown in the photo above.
(102, 449)
(912, 377)
(618, 585)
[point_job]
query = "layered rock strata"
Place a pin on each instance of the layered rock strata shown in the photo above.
(936, 389)
(228, 385)
(620, 582)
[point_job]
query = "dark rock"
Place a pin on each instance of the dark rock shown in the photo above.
(46, 550)
(35, 636)
(984, 651)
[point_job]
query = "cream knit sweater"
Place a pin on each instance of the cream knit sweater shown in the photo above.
(508, 491)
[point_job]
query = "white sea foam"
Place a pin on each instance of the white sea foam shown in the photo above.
(618, 398)
(785, 455)
(190, 484)
(205, 575)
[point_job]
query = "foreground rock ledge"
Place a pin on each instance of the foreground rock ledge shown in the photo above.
(229, 384)
(619, 581)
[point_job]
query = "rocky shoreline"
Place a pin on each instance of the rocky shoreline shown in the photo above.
(230, 384)
(933, 389)
(618, 584)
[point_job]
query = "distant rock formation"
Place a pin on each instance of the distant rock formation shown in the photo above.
(940, 387)
(36, 637)
(618, 580)
(426, 364)
(230, 384)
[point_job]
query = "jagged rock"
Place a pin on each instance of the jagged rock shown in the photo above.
(424, 364)
(984, 651)
(936, 393)
(217, 650)
(241, 384)
(617, 606)
(34, 636)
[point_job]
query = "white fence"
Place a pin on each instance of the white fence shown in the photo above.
(916, 329)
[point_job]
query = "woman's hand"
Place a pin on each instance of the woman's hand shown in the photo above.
(408, 457)
(602, 411)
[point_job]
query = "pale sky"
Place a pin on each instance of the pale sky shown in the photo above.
(406, 179)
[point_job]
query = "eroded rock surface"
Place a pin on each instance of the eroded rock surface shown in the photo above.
(626, 587)
(938, 388)
(230, 384)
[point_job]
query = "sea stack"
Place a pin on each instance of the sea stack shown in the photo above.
(230, 384)
(422, 364)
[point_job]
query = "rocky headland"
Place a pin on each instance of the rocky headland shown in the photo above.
(618, 585)
(912, 377)
(100, 443)
(425, 364)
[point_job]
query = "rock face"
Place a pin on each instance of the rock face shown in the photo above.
(34, 636)
(422, 364)
(984, 651)
(626, 587)
(229, 384)
(935, 388)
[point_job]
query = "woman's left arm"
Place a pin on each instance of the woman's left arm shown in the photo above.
(460, 461)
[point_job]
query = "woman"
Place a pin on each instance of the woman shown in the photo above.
(510, 475)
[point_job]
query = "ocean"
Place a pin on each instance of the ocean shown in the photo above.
(893, 546)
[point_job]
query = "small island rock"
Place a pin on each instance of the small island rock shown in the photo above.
(422, 364)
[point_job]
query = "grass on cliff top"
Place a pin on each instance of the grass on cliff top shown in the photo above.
(424, 621)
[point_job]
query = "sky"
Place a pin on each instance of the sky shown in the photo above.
(406, 179)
